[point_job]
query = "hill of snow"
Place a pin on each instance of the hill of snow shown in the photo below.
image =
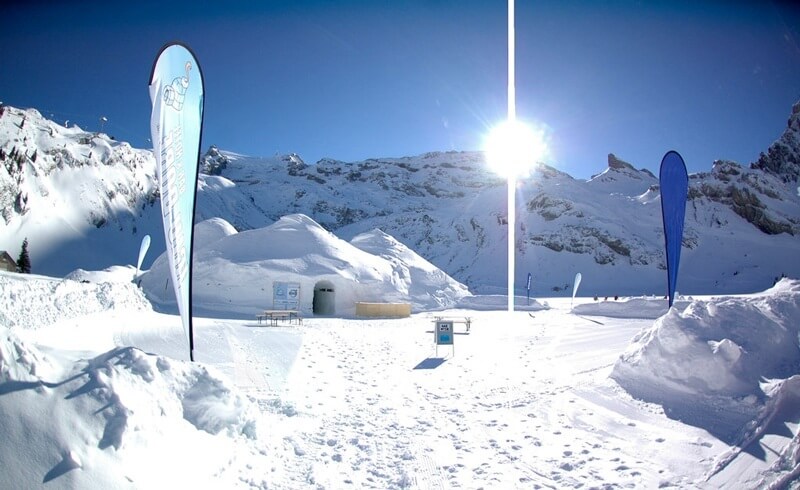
(123, 418)
(31, 300)
(82, 199)
(235, 272)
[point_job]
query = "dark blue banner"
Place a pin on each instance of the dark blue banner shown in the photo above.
(674, 182)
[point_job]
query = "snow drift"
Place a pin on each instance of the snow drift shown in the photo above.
(639, 307)
(707, 363)
(87, 423)
(31, 301)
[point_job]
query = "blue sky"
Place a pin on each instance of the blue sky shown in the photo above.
(361, 79)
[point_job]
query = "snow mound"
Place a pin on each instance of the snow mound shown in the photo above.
(706, 364)
(491, 302)
(122, 417)
(412, 275)
(209, 231)
(234, 275)
(31, 301)
(18, 361)
(147, 386)
(117, 273)
(642, 307)
(783, 408)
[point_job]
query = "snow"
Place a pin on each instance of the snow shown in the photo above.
(96, 392)
(85, 201)
(85, 195)
(234, 272)
(32, 301)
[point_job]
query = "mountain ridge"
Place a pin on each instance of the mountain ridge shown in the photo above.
(742, 221)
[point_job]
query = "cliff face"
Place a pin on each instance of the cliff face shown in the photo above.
(783, 157)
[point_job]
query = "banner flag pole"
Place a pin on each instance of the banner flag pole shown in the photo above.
(176, 123)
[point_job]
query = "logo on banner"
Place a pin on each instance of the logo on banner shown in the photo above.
(175, 93)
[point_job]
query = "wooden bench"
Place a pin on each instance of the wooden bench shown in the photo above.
(272, 317)
(466, 320)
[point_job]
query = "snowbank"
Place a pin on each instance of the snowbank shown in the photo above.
(706, 364)
(642, 307)
(122, 418)
(117, 273)
(18, 361)
(490, 302)
(31, 301)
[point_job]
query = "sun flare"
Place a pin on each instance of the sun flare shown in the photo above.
(513, 147)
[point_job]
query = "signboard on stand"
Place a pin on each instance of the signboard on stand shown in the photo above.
(444, 334)
(286, 295)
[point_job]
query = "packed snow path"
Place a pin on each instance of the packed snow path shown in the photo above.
(520, 402)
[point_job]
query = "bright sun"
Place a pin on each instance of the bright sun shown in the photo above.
(512, 147)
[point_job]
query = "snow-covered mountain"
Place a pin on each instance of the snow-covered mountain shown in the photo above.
(82, 199)
(741, 222)
(741, 229)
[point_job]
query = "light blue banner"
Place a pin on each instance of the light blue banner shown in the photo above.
(143, 248)
(176, 90)
(577, 284)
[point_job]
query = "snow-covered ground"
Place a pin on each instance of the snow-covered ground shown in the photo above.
(96, 392)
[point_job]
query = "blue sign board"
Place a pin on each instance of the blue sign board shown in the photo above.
(444, 333)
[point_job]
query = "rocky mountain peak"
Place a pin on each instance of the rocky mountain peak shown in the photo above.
(783, 157)
(213, 162)
(446, 206)
(616, 163)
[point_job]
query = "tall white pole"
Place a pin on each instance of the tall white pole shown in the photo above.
(512, 99)
(512, 115)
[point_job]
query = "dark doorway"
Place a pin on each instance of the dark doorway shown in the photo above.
(324, 302)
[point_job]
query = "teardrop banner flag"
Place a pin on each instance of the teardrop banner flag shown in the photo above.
(578, 278)
(674, 182)
(176, 123)
(142, 252)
